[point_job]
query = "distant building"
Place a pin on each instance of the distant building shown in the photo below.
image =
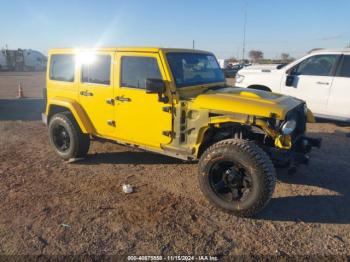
(22, 60)
(3, 61)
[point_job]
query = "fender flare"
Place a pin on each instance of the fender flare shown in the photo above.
(74, 107)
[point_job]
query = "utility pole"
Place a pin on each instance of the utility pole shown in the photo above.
(244, 31)
(192, 44)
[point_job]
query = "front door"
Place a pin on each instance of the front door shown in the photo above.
(96, 91)
(339, 99)
(313, 79)
(140, 117)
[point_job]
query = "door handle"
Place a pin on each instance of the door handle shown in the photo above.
(323, 83)
(86, 93)
(123, 99)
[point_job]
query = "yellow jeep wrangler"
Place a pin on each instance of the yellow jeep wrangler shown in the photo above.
(176, 102)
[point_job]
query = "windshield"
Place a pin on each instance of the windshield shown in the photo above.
(190, 69)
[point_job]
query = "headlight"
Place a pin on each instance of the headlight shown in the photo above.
(239, 78)
(288, 127)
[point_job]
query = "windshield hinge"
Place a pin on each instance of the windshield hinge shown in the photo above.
(168, 109)
(169, 134)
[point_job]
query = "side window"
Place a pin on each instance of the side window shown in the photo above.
(318, 65)
(98, 72)
(62, 68)
(344, 69)
(136, 69)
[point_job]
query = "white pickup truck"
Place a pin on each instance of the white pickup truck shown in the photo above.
(321, 78)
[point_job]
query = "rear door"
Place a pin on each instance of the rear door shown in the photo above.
(313, 81)
(339, 99)
(96, 90)
(140, 118)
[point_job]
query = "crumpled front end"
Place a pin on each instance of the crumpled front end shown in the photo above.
(276, 123)
(293, 148)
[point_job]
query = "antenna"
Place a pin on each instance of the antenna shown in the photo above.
(244, 30)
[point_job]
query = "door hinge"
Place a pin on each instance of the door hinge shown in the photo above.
(111, 122)
(168, 109)
(169, 134)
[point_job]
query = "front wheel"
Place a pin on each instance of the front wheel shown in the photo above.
(66, 137)
(237, 176)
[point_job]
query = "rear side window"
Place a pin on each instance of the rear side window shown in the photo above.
(97, 72)
(344, 69)
(136, 70)
(318, 65)
(62, 68)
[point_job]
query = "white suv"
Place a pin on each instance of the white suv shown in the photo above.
(321, 78)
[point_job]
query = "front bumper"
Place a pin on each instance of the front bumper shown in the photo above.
(304, 144)
(298, 154)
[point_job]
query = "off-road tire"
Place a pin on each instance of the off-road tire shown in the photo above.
(252, 157)
(79, 142)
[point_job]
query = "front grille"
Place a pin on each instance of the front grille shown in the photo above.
(299, 116)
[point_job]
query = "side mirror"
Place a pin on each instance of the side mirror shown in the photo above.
(155, 86)
(290, 80)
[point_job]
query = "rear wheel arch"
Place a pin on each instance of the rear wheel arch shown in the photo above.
(260, 87)
(55, 109)
(78, 114)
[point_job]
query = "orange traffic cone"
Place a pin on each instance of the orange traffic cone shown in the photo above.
(20, 91)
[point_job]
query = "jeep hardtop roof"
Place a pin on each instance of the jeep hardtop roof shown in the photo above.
(127, 49)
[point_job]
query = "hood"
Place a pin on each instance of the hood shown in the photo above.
(246, 101)
(260, 68)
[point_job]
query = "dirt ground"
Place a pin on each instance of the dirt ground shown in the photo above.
(52, 207)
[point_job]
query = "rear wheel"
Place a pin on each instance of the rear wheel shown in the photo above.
(237, 176)
(66, 137)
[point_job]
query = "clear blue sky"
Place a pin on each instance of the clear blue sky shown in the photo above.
(273, 26)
